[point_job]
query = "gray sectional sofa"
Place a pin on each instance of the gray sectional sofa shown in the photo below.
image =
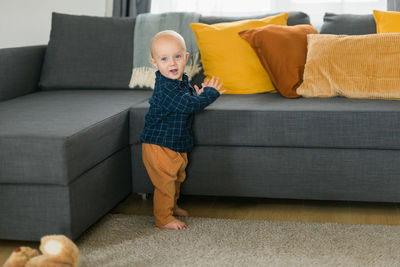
(69, 135)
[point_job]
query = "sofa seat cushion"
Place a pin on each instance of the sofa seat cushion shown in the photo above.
(270, 120)
(53, 137)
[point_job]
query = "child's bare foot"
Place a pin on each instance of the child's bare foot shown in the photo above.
(181, 212)
(174, 225)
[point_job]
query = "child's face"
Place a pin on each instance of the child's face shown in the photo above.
(169, 56)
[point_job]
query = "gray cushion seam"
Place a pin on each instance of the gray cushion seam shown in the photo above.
(299, 147)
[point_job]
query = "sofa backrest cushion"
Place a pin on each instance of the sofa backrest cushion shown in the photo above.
(348, 24)
(295, 18)
(86, 52)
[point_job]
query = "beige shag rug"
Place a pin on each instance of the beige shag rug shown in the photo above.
(132, 240)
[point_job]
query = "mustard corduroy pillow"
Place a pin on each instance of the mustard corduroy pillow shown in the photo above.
(387, 21)
(358, 66)
(227, 56)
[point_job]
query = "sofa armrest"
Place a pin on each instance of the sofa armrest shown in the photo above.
(20, 70)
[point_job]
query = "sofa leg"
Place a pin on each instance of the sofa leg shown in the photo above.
(145, 196)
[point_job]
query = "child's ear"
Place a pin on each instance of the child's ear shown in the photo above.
(153, 62)
(186, 57)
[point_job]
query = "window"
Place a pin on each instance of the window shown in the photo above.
(314, 8)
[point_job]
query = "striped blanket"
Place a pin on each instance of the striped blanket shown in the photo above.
(147, 25)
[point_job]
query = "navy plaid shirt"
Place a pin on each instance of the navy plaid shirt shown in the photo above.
(169, 119)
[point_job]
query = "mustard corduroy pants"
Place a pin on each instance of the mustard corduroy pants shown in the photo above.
(166, 169)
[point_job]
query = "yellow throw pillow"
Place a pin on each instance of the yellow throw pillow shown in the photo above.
(227, 56)
(387, 21)
(357, 66)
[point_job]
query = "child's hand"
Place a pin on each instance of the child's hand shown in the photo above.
(210, 83)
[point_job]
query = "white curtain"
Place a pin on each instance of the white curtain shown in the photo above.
(212, 7)
(314, 8)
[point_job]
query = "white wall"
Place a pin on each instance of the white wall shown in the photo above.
(28, 22)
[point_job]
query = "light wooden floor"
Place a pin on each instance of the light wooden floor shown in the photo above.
(257, 209)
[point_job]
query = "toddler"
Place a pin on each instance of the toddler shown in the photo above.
(167, 134)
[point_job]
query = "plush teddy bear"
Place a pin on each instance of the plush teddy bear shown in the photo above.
(58, 250)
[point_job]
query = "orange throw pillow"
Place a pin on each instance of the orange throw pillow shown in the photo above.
(282, 51)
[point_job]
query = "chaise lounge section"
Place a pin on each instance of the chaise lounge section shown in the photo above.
(64, 157)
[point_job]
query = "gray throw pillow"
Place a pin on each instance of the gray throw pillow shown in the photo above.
(86, 52)
(350, 24)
